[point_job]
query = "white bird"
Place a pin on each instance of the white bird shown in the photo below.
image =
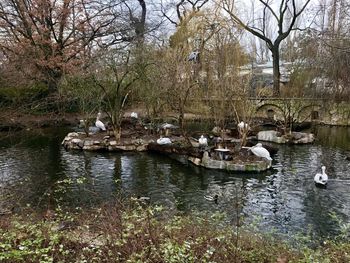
(194, 56)
(81, 123)
(168, 126)
(260, 151)
(321, 179)
(242, 126)
(99, 124)
(134, 115)
(203, 141)
(163, 140)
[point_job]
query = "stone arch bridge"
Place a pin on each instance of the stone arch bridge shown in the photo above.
(319, 110)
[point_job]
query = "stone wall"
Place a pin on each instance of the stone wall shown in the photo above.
(305, 110)
(78, 141)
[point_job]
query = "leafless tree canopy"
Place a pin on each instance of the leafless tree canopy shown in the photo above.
(44, 40)
(53, 37)
(285, 16)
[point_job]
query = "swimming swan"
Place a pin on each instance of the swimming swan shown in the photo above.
(321, 179)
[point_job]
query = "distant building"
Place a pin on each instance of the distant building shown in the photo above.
(262, 76)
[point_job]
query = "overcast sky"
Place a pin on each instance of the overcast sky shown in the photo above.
(245, 8)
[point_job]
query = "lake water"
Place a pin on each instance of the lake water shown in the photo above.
(35, 170)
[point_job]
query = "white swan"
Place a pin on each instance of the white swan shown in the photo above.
(99, 124)
(163, 140)
(260, 151)
(321, 179)
(203, 141)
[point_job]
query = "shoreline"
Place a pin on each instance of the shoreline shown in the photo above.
(12, 120)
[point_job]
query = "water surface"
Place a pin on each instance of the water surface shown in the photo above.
(35, 170)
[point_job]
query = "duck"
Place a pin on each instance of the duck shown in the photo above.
(203, 141)
(321, 179)
(99, 124)
(163, 141)
(212, 198)
(144, 201)
(143, 198)
(260, 151)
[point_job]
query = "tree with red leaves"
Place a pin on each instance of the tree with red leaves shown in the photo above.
(46, 38)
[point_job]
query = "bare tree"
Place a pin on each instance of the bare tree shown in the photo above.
(180, 79)
(223, 57)
(137, 20)
(284, 27)
(183, 8)
(116, 82)
(324, 51)
(49, 38)
(86, 94)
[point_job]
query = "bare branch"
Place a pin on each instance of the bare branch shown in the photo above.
(266, 4)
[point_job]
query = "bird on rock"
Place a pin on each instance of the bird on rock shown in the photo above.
(163, 141)
(99, 124)
(260, 151)
(203, 141)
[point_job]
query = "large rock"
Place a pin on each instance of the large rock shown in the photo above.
(293, 138)
(78, 141)
(93, 148)
(126, 147)
(174, 149)
(88, 143)
(113, 143)
(302, 138)
(141, 148)
(271, 136)
(254, 166)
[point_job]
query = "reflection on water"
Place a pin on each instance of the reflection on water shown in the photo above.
(285, 198)
(333, 136)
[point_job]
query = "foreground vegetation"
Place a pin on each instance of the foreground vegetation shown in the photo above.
(139, 233)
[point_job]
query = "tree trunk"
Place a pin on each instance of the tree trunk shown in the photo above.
(53, 77)
(181, 121)
(182, 127)
(141, 25)
(117, 131)
(86, 127)
(276, 70)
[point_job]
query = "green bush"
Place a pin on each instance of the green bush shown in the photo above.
(14, 96)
